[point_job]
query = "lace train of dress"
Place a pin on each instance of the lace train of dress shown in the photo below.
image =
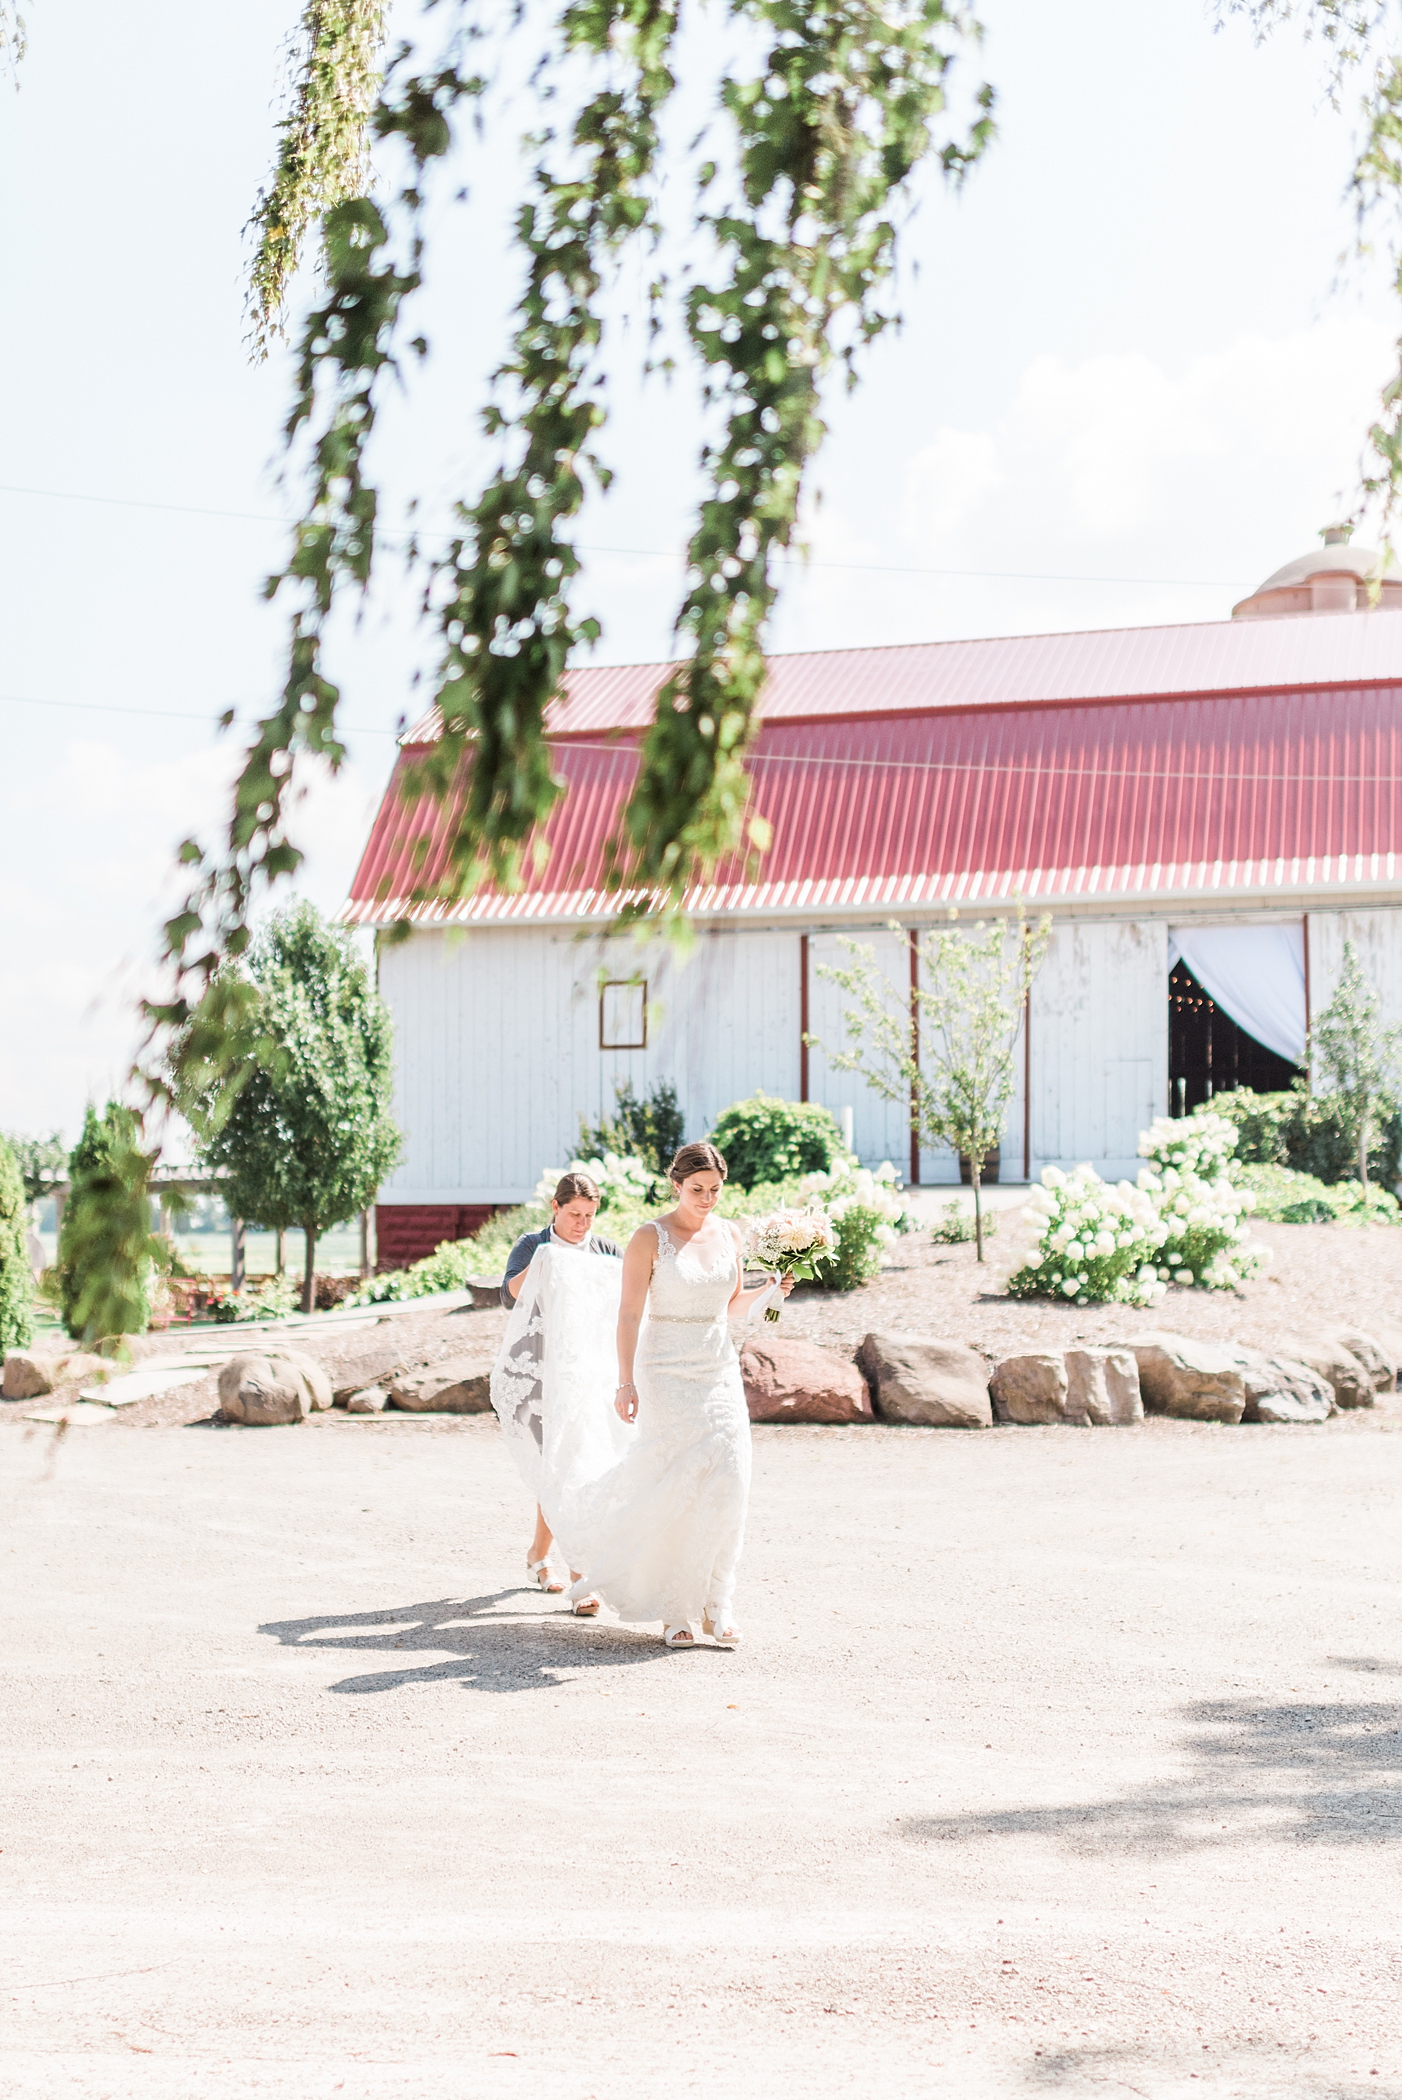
(657, 1531)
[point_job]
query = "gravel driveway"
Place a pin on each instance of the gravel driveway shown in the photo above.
(1057, 1761)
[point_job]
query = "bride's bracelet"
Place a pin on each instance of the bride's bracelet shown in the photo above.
(625, 1388)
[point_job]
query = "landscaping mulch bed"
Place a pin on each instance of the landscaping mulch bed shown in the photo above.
(1320, 1276)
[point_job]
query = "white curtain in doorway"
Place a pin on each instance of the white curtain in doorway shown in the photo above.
(1256, 974)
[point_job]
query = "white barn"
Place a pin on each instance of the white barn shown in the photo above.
(1206, 812)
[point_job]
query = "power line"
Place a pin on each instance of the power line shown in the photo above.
(856, 568)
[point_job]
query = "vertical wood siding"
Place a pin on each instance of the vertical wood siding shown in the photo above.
(1377, 936)
(880, 1129)
(498, 1055)
(1099, 1044)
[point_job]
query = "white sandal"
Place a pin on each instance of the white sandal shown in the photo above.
(678, 1637)
(541, 1571)
(586, 1607)
(727, 1636)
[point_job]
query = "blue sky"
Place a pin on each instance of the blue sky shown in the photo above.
(1129, 385)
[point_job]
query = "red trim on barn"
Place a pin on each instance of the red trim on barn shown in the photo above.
(409, 1232)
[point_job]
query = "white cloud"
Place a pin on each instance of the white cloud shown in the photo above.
(1116, 451)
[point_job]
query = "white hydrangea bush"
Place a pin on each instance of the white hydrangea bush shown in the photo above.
(1190, 1180)
(623, 1183)
(847, 1186)
(1182, 1223)
(1092, 1241)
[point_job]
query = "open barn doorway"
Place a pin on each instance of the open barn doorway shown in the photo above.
(1209, 1054)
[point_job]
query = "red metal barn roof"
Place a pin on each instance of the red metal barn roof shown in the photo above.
(968, 773)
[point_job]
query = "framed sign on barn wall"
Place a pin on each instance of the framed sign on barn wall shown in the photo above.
(623, 1014)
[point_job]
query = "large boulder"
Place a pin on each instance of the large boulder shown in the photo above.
(1376, 1353)
(1279, 1390)
(941, 1384)
(266, 1387)
(1351, 1383)
(1030, 1388)
(1198, 1381)
(789, 1380)
(27, 1377)
(1102, 1387)
(462, 1386)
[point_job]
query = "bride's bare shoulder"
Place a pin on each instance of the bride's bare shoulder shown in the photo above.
(647, 1237)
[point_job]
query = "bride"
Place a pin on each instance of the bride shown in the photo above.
(653, 1512)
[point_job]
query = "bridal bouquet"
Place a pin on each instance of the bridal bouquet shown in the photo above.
(791, 1243)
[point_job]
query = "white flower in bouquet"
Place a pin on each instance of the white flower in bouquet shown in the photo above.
(791, 1243)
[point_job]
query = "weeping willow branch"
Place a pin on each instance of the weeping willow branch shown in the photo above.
(346, 352)
(13, 39)
(501, 596)
(324, 158)
(826, 136)
(829, 134)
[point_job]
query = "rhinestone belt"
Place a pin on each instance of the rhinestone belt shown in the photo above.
(687, 1319)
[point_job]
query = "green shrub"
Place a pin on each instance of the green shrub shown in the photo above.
(16, 1281)
(650, 1129)
(862, 1234)
(1289, 1198)
(107, 1253)
(1313, 1134)
(955, 1225)
(765, 1139)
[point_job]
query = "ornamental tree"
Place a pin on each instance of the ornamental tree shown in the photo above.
(1352, 1056)
(16, 1281)
(301, 1125)
(945, 1051)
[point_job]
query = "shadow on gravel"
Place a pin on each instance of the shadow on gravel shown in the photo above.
(1269, 1775)
(486, 1652)
(1125, 2070)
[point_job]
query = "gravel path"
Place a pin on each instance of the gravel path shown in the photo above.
(1057, 1761)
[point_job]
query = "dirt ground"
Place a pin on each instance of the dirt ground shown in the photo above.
(1057, 1762)
(1320, 1276)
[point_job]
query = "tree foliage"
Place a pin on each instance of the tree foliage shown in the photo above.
(302, 1129)
(16, 1278)
(648, 1127)
(1353, 1057)
(107, 1253)
(944, 1052)
(324, 156)
(797, 213)
(42, 1162)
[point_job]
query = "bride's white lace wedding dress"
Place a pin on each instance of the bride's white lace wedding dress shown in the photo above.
(653, 1514)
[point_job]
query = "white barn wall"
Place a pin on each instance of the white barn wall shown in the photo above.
(498, 1054)
(1377, 937)
(880, 1129)
(498, 1042)
(1099, 1044)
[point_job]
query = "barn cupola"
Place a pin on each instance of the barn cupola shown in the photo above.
(1338, 578)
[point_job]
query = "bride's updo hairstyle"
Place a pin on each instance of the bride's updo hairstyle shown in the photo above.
(699, 1158)
(570, 1187)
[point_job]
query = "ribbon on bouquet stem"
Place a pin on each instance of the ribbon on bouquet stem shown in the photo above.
(772, 1302)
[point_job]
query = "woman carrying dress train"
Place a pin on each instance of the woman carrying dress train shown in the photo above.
(666, 1528)
(644, 1485)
